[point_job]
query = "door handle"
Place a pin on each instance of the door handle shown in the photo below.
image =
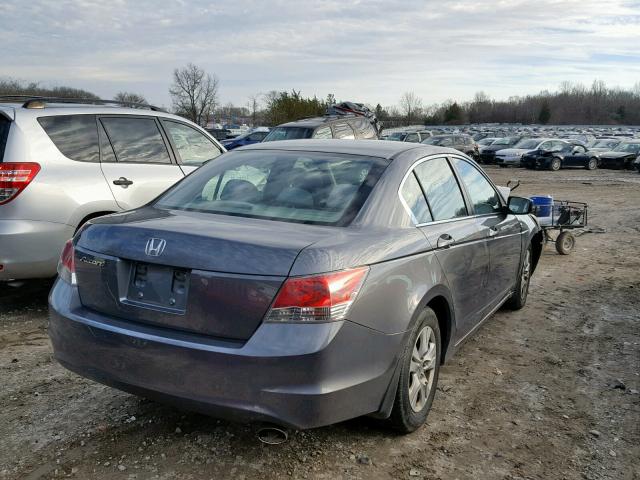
(123, 182)
(445, 241)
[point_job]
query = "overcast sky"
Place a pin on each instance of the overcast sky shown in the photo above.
(367, 51)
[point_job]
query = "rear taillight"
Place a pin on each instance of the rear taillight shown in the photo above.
(318, 298)
(14, 178)
(67, 264)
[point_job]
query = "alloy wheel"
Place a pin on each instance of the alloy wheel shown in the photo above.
(422, 368)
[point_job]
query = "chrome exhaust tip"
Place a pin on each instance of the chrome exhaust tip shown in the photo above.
(272, 435)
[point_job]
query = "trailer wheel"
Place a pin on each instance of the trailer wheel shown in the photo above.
(565, 243)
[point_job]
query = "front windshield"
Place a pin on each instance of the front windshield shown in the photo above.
(433, 140)
(397, 136)
(606, 144)
(527, 144)
(628, 147)
(288, 133)
(486, 141)
(503, 141)
(304, 187)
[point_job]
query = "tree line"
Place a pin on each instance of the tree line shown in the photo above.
(195, 95)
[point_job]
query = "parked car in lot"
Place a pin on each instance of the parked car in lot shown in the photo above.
(64, 163)
(605, 145)
(513, 156)
(302, 283)
(325, 127)
(561, 155)
(622, 156)
(463, 143)
(487, 153)
(636, 164)
(249, 138)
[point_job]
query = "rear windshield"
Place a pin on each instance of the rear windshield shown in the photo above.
(303, 187)
(4, 133)
(288, 133)
(76, 136)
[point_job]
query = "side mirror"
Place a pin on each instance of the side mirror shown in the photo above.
(520, 205)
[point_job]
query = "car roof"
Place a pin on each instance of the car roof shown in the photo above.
(370, 148)
(52, 109)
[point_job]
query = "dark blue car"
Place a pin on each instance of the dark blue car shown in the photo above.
(249, 138)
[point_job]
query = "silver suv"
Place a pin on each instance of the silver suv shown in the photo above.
(63, 163)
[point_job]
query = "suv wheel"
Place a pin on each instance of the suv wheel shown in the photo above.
(420, 366)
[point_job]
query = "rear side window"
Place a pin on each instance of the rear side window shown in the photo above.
(363, 128)
(414, 199)
(5, 124)
(192, 146)
(344, 131)
(76, 136)
(136, 140)
(324, 132)
(442, 189)
(304, 187)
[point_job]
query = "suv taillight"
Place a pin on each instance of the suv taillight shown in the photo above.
(317, 298)
(14, 178)
(67, 263)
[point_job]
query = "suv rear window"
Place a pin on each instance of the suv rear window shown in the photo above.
(303, 187)
(76, 136)
(5, 124)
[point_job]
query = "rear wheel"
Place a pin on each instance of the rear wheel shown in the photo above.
(556, 163)
(565, 243)
(519, 297)
(592, 164)
(420, 366)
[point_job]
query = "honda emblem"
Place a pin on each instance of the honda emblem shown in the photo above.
(155, 247)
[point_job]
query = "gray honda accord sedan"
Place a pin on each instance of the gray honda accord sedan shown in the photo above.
(301, 282)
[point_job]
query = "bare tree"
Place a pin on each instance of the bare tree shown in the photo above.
(194, 93)
(130, 97)
(254, 105)
(410, 105)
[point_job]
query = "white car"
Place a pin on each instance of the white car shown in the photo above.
(63, 163)
(512, 156)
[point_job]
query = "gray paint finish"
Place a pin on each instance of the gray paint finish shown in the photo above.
(219, 356)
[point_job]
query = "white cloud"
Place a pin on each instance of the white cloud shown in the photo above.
(367, 51)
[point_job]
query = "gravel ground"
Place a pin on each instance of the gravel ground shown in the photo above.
(549, 392)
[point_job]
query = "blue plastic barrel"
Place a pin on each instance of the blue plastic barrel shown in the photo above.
(543, 204)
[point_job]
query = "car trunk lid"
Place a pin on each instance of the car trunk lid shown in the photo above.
(200, 273)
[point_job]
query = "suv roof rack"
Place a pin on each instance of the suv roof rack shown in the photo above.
(35, 101)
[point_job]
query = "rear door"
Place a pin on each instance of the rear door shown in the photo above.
(135, 159)
(460, 244)
(501, 230)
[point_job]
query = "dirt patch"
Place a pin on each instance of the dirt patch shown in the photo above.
(549, 392)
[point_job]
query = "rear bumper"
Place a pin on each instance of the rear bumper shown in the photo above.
(30, 249)
(301, 376)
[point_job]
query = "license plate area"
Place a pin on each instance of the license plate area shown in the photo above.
(158, 287)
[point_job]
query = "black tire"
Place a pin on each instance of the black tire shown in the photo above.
(555, 164)
(518, 298)
(592, 164)
(565, 243)
(403, 416)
